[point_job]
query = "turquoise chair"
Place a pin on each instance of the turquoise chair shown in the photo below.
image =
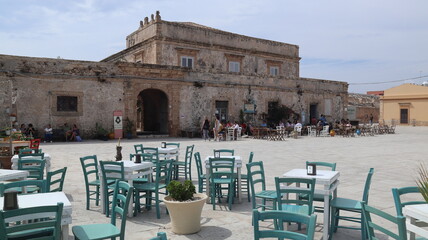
(55, 180)
(90, 173)
(154, 154)
(31, 186)
(35, 167)
(184, 168)
(111, 171)
(121, 198)
(31, 155)
(244, 179)
(256, 178)
(157, 186)
(44, 228)
(350, 205)
(222, 173)
(224, 152)
(281, 216)
(400, 221)
(398, 192)
(138, 148)
(25, 151)
(201, 175)
(160, 236)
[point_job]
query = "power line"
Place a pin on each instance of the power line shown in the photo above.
(401, 80)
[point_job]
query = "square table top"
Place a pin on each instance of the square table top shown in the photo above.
(418, 211)
(325, 177)
(6, 174)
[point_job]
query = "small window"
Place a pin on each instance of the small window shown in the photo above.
(234, 66)
(66, 104)
(274, 71)
(187, 61)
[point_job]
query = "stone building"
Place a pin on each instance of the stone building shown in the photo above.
(170, 76)
(362, 106)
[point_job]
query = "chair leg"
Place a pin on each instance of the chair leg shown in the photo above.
(213, 193)
(97, 196)
(157, 205)
(248, 191)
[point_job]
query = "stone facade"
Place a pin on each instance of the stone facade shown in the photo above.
(362, 106)
(146, 82)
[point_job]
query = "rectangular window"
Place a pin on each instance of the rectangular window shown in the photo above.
(234, 66)
(187, 61)
(221, 109)
(66, 104)
(404, 116)
(274, 71)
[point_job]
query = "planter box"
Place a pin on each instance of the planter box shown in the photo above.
(6, 162)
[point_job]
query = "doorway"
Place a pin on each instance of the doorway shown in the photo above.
(404, 116)
(152, 106)
(313, 112)
(221, 110)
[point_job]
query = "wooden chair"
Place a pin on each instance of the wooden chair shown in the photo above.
(160, 236)
(48, 227)
(399, 204)
(111, 172)
(55, 180)
(256, 178)
(35, 167)
(31, 186)
(222, 173)
(138, 148)
(35, 143)
(244, 178)
(201, 175)
(121, 198)
(224, 152)
(184, 168)
(279, 232)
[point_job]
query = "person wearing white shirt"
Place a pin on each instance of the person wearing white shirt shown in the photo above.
(48, 133)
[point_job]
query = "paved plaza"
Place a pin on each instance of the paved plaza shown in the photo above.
(395, 158)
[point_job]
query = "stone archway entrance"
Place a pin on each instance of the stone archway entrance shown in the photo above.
(152, 107)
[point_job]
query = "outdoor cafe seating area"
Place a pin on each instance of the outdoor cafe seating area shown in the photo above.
(121, 189)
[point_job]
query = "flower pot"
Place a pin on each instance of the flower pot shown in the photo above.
(186, 216)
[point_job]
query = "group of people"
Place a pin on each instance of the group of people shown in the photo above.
(219, 129)
(71, 133)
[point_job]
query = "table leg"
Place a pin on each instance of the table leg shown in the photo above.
(412, 234)
(207, 184)
(239, 185)
(102, 198)
(64, 232)
(131, 201)
(326, 221)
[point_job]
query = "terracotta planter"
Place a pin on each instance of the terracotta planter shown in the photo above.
(186, 216)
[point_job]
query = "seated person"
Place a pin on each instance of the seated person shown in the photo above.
(30, 130)
(67, 131)
(74, 133)
(48, 133)
(221, 132)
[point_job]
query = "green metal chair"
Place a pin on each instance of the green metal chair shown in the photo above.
(35, 167)
(160, 236)
(223, 152)
(90, 172)
(280, 233)
(157, 186)
(48, 227)
(221, 173)
(201, 175)
(121, 198)
(350, 205)
(138, 148)
(256, 178)
(55, 180)
(400, 221)
(111, 171)
(398, 192)
(184, 168)
(31, 186)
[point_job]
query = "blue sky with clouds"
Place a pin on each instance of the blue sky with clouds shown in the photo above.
(356, 41)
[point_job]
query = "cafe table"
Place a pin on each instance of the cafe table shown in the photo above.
(14, 144)
(238, 165)
(131, 171)
(7, 174)
(47, 199)
(414, 214)
(47, 157)
(329, 180)
(168, 152)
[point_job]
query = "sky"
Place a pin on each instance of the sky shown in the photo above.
(371, 44)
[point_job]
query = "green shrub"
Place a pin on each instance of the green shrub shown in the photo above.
(181, 191)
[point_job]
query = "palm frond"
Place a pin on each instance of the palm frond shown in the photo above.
(422, 181)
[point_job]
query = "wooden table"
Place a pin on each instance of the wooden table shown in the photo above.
(131, 171)
(6, 174)
(416, 212)
(329, 180)
(15, 159)
(13, 144)
(47, 199)
(238, 165)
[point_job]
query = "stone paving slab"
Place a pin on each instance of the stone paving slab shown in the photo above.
(395, 158)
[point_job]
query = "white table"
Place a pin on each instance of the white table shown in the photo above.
(329, 180)
(47, 199)
(238, 165)
(15, 159)
(6, 174)
(131, 171)
(169, 152)
(416, 212)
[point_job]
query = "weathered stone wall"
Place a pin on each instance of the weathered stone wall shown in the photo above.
(364, 105)
(5, 103)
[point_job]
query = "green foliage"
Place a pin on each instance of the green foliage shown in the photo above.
(181, 191)
(422, 181)
(277, 112)
(129, 124)
(100, 131)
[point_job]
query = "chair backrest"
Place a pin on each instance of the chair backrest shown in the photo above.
(31, 155)
(153, 151)
(163, 172)
(189, 154)
(138, 148)
(250, 158)
(173, 145)
(35, 143)
(55, 180)
(282, 216)
(51, 221)
(121, 198)
(367, 186)
(331, 166)
(160, 236)
(90, 169)
(40, 184)
(35, 167)
(400, 221)
(112, 171)
(199, 166)
(222, 167)
(307, 187)
(223, 152)
(23, 151)
(397, 192)
(144, 156)
(256, 177)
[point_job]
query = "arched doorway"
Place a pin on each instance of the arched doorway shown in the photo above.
(152, 108)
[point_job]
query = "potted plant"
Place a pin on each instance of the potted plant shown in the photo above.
(101, 132)
(422, 181)
(184, 206)
(128, 128)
